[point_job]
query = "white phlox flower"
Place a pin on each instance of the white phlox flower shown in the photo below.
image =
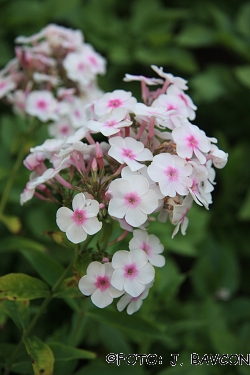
(132, 199)
(175, 107)
(129, 151)
(172, 173)
(191, 140)
(77, 68)
(81, 221)
(97, 283)
(177, 81)
(132, 271)
(115, 99)
(150, 244)
(133, 303)
(110, 123)
(6, 85)
(42, 104)
(219, 157)
(191, 107)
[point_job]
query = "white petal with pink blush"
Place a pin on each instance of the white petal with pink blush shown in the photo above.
(81, 221)
(132, 271)
(132, 200)
(97, 283)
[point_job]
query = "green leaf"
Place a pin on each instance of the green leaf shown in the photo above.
(67, 353)
(21, 364)
(244, 213)
(243, 19)
(48, 268)
(16, 243)
(13, 223)
(18, 311)
(69, 289)
(243, 74)
(41, 355)
(127, 323)
(195, 36)
(21, 287)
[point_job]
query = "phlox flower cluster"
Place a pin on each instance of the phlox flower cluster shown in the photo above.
(150, 163)
(53, 78)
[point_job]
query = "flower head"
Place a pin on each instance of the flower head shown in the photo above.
(97, 283)
(81, 221)
(132, 271)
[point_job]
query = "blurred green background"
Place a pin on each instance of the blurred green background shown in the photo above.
(200, 302)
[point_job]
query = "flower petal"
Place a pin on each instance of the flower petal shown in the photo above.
(101, 299)
(78, 201)
(75, 233)
(63, 218)
(87, 285)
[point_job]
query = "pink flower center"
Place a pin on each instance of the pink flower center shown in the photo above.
(110, 124)
(102, 283)
(41, 104)
(192, 142)
(132, 200)
(79, 217)
(170, 106)
(3, 85)
(114, 103)
(65, 129)
(172, 174)
(146, 248)
(130, 271)
(81, 67)
(77, 113)
(128, 153)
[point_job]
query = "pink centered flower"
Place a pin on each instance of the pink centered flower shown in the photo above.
(42, 104)
(110, 123)
(171, 172)
(81, 221)
(112, 100)
(150, 244)
(97, 283)
(132, 271)
(128, 150)
(190, 139)
(133, 303)
(132, 199)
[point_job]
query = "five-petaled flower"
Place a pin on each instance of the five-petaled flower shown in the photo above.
(132, 271)
(81, 221)
(97, 283)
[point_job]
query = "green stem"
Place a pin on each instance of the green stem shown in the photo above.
(37, 316)
(44, 305)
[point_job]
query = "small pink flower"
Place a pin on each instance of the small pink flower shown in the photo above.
(132, 199)
(150, 244)
(172, 173)
(81, 221)
(133, 303)
(191, 140)
(128, 150)
(111, 123)
(97, 283)
(132, 271)
(112, 100)
(42, 104)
